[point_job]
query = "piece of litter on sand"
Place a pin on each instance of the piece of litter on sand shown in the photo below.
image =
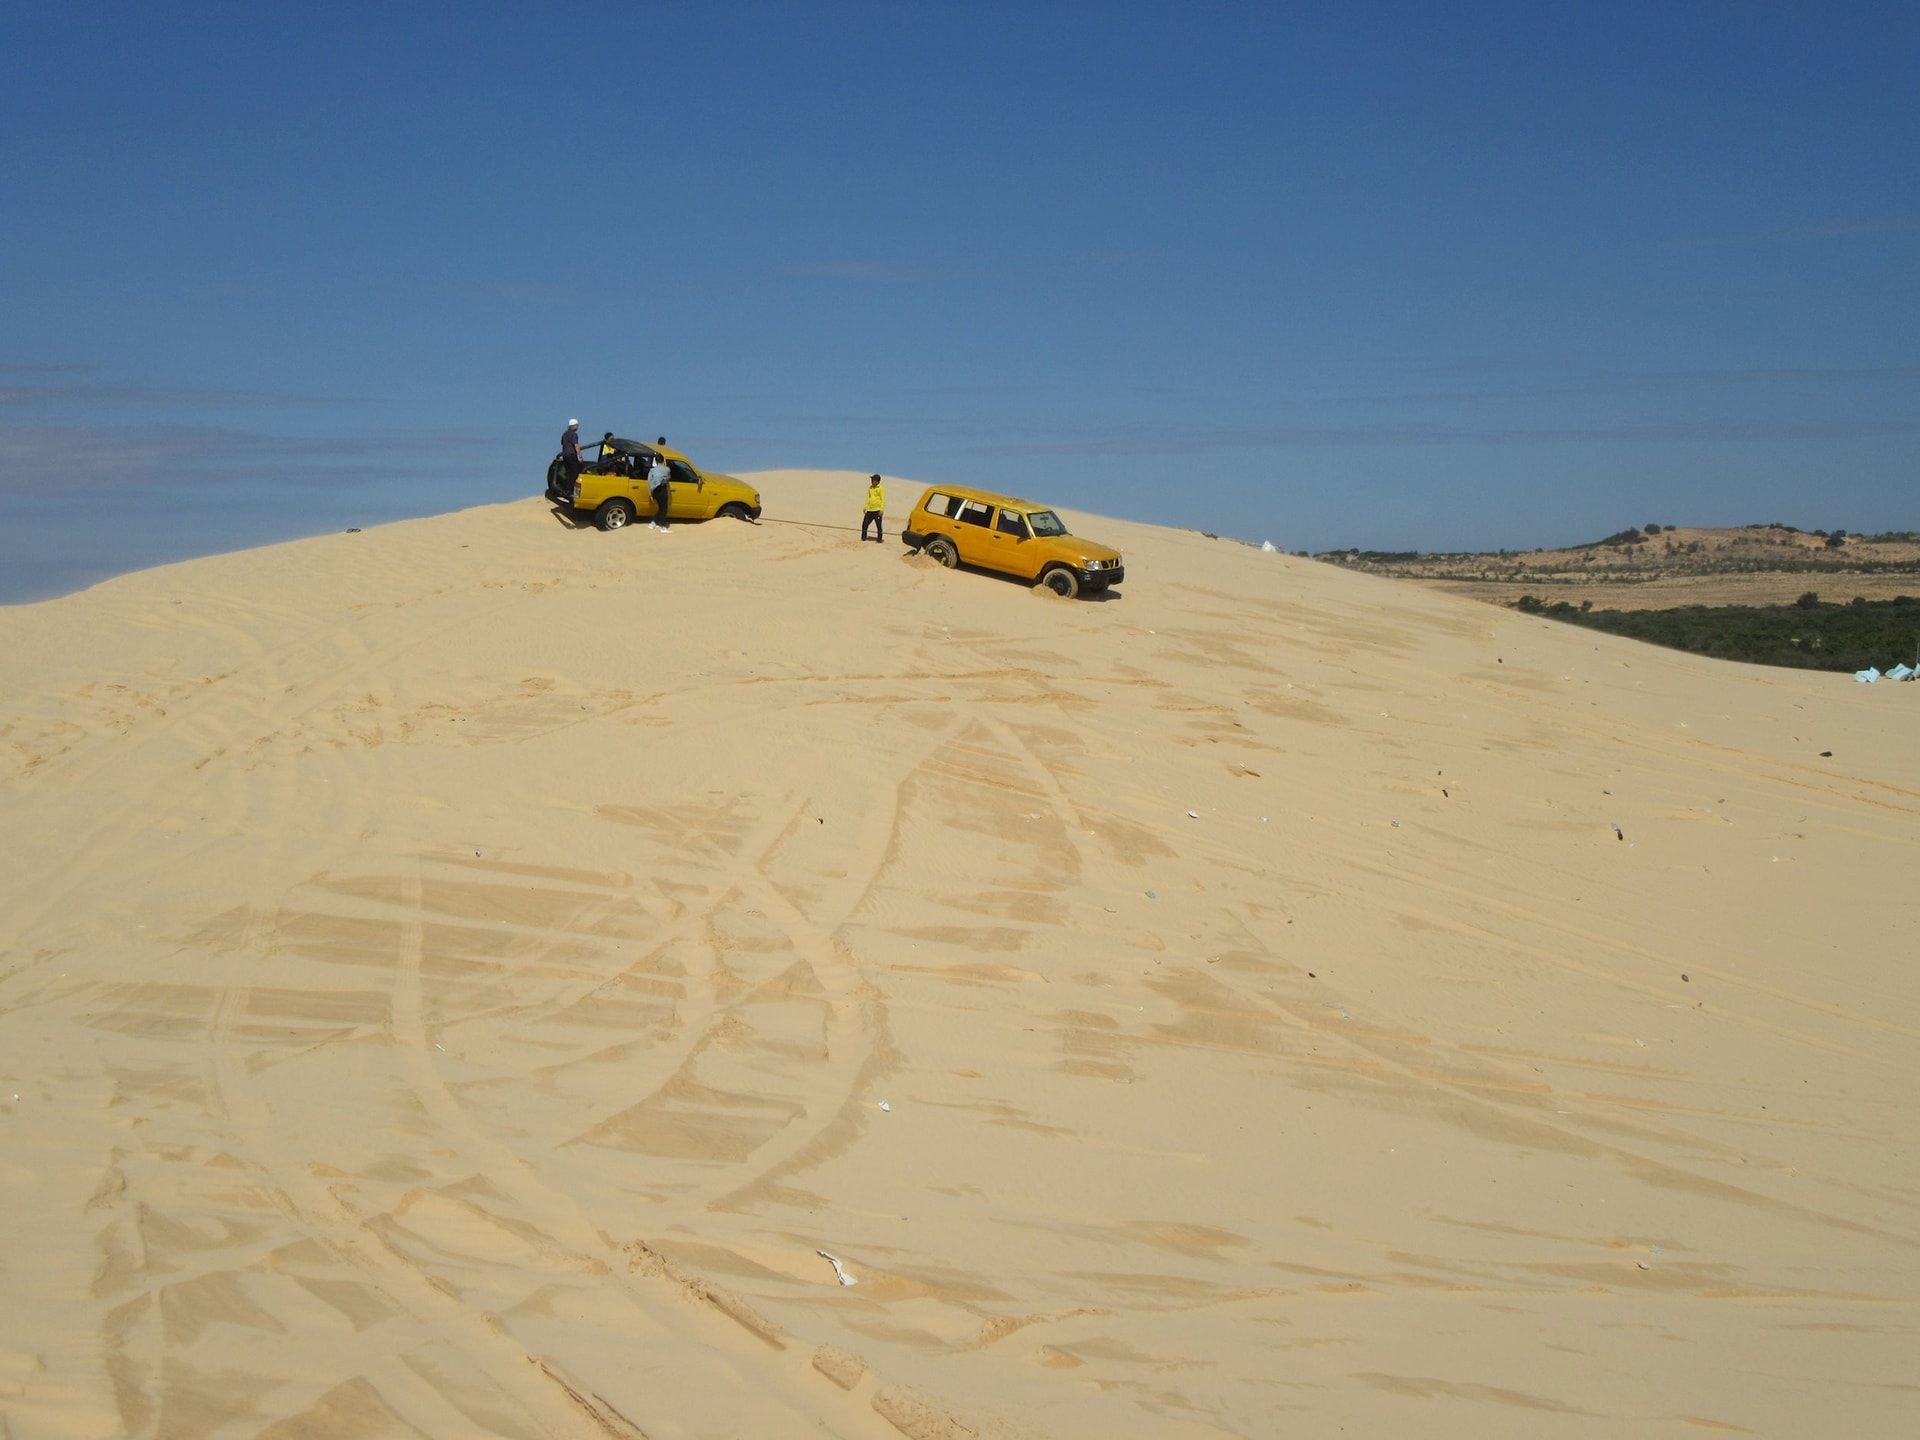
(886, 1107)
(1394, 823)
(438, 1046)
(1193, 814)
(838, 1268)
(1151, 895)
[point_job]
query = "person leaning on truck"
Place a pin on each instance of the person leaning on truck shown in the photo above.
(659, 481)
(875, 514)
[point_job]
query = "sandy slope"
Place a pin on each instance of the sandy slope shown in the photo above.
(450, 974)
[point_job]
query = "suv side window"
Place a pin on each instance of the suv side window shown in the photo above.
(938, 504)
(974, 512)
(1012, 522)
(684, 472)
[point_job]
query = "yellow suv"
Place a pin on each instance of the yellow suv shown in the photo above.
(958, 525)
(613, 489)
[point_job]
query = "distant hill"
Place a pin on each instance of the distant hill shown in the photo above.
(1659, 566)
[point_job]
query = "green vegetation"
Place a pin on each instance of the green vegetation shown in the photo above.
(1808, 634)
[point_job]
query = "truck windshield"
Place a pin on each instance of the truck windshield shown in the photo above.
(1045, 523)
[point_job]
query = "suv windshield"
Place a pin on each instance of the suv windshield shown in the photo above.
(1045, 523)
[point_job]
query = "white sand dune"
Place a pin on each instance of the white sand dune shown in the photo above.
(450, 976)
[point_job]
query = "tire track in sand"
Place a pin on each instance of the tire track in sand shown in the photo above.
(710, 1358)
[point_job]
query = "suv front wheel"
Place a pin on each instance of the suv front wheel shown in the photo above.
(1062, 581)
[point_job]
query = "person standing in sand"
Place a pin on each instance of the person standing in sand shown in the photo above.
(659, 481)
(570, 451)
(875, 514)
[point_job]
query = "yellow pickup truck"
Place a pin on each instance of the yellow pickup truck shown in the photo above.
(613, 488)
(958, 525)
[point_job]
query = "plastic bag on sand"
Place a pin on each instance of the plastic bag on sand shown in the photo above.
(1866, 676)
(1901, 672)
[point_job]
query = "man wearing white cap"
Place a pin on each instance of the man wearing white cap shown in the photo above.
(570, 451)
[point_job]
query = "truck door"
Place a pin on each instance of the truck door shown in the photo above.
(1012, 548)
(686, 486)
(974, 532)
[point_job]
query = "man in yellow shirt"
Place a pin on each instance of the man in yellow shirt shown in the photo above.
(875, 512)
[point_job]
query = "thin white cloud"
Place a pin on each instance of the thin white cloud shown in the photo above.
(44, 371)
(74, 387)
(1855, 228)
(1147, 441)
(882, 272)
(128, 456)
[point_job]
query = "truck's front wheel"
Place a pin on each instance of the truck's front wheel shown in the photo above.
(1062, 581)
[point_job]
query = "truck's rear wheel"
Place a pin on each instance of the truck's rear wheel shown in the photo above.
(1062, 582)
(616, 514)
(940, 548)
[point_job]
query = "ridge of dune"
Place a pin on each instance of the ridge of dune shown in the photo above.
(450, 976)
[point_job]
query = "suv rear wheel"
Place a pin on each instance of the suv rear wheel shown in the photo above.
(1062, 581)
(940, 548)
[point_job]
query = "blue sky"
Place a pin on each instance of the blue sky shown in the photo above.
(1388, 275)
